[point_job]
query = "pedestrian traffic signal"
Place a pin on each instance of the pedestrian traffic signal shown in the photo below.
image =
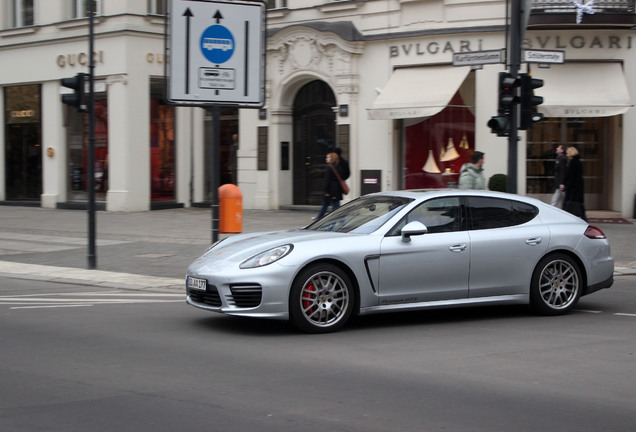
(75, 99)
(528, 114)
(507, 93)
(499, 125)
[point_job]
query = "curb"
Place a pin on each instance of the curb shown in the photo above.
(97, 278)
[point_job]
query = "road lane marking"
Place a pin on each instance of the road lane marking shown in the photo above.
(90, 298)
(49, 307)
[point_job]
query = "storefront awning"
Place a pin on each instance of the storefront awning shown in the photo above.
(583, 90)
(417, 92)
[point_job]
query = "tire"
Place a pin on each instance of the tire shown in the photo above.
(321, 299)
(556, 286)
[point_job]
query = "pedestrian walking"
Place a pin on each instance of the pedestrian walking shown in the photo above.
(574, 184)
(471, 174)
(560, 167)
(337, 169)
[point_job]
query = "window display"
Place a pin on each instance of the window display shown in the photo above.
(77, 129)
(437, 147)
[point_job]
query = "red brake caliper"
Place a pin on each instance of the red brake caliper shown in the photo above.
(307, 295)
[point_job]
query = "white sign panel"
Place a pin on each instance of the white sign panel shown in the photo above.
(543, 56)
(215, 53)
(478, 58)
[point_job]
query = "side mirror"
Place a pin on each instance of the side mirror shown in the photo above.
(411, 229)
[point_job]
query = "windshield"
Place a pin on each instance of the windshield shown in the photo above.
(363, 215)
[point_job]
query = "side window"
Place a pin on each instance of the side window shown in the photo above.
(488, 213)
(276, 4)
(439, 215)
(156, 7)
(81, 8)
(22, 13)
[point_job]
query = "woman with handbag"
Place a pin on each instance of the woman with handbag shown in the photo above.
(336, 172)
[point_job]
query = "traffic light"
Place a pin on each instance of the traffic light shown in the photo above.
(506, 100)
(499, 125)
(528, 114)
(75, 99)
(507, 93)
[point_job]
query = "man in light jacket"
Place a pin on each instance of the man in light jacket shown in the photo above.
(471, 175)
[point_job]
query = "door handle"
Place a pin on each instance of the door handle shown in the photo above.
(534, 241)
(458, 248)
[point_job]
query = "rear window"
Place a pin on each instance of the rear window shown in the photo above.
(488, 213)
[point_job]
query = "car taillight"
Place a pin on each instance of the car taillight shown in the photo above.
(594, 233)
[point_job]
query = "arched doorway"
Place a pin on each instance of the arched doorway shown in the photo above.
(314, 132)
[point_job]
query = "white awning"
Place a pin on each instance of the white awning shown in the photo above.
(417, 92)
(583, 90)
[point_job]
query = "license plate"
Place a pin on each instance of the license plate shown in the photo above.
(197, 284)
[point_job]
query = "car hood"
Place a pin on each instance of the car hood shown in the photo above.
(240, 247)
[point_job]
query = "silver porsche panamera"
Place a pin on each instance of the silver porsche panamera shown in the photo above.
(406, 250)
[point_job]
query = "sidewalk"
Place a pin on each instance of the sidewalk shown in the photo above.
(151, 250)
(137, 250)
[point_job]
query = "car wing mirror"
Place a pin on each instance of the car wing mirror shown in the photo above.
(411, 229)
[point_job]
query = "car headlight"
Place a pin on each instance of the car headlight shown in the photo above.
(267, 257)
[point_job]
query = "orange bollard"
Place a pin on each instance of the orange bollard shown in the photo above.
(231, 209)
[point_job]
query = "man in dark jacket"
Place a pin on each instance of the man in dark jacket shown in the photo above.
(560, 166)
(332, 192)
(574, 184)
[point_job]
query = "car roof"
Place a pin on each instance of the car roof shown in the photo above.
(419, 194)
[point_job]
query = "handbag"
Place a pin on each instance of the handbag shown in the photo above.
(343, 185)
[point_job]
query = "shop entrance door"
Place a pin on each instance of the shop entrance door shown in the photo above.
(596, 139)
(23, 162)
(314, 133)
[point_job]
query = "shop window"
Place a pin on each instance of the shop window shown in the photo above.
(228, 147)
(23, 143)
(77, 129)
(156, 7)
(591, 136)
(436, 148)
(162, 146)
(22, 13)
(81, 8)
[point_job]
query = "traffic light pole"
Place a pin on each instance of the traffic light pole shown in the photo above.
(92, 254)
(515, 63)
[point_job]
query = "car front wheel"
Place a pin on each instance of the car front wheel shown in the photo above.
(556, 285)
(321, 299)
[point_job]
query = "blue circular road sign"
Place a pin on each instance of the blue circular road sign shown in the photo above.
(217, 44)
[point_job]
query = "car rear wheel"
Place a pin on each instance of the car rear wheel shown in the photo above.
(321, 299)
(556, 285)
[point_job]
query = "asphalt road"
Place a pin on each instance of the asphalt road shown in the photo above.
(78, 358)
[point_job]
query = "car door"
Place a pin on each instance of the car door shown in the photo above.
(430, 267)
(507, 240)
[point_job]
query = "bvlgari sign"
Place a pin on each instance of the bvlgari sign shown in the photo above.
(539, 42)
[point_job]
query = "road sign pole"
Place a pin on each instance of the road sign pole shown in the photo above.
(214, 163)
